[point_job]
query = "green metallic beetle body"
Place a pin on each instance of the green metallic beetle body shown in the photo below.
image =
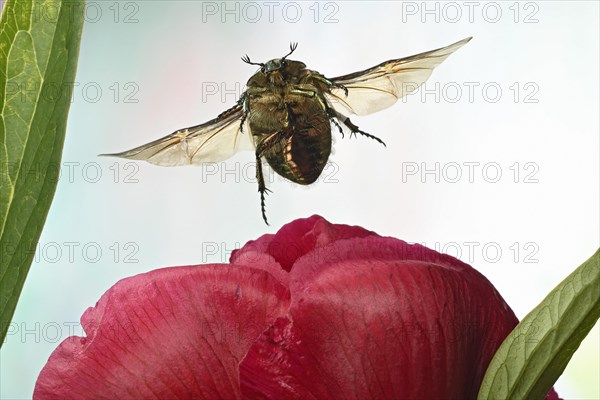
(289, 119)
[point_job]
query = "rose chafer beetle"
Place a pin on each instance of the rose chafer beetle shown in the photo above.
(286, 114)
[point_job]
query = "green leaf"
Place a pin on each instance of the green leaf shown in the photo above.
(39, 45)
(537, 351)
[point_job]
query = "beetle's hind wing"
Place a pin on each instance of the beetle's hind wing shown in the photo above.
(212, 141)
(379, 87)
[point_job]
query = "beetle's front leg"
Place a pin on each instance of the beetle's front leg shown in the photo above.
(337, 85)
(244, 101)
(330, 84)
(241, 102)
(311, 93)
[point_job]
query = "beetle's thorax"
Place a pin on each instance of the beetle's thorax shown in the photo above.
(277, 77)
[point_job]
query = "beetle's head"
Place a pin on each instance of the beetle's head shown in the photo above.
(272, 65)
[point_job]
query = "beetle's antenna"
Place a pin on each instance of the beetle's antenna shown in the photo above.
(293, 47)
(246, 59)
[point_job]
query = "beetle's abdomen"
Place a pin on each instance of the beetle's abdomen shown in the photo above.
(303, 153)
(298, 136)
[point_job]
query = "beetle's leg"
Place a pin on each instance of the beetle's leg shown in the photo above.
(303, 92)
(262, 147)
(333, 116)
(312, 93)
(262, 188)
(245, 109)
(339, 85)
(354, 129)
(242, 121)
(331, 112)
(239, 103)
(333, 119)
(242, 102)
(330, 84)
(228, 111)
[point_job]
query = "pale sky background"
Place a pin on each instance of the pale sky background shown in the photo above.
(510, 122)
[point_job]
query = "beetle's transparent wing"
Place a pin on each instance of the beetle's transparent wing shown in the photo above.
(212, 141)
(381, 86)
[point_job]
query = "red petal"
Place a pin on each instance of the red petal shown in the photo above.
(297, 238)
(251, 255)
(170, 333)
(552, 395)
(377, 318)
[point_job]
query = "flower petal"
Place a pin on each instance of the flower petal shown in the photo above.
(251, 255)
(297, 238)
(170, 333)
(377, 318)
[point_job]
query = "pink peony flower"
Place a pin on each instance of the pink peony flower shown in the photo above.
(316, 311)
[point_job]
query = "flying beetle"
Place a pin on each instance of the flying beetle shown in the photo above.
(286, 115)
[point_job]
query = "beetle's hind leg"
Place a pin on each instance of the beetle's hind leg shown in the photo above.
(333, 119)
(240, 103)
(354, 130)
(335, 116)
(264, 146)
(262, 188)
